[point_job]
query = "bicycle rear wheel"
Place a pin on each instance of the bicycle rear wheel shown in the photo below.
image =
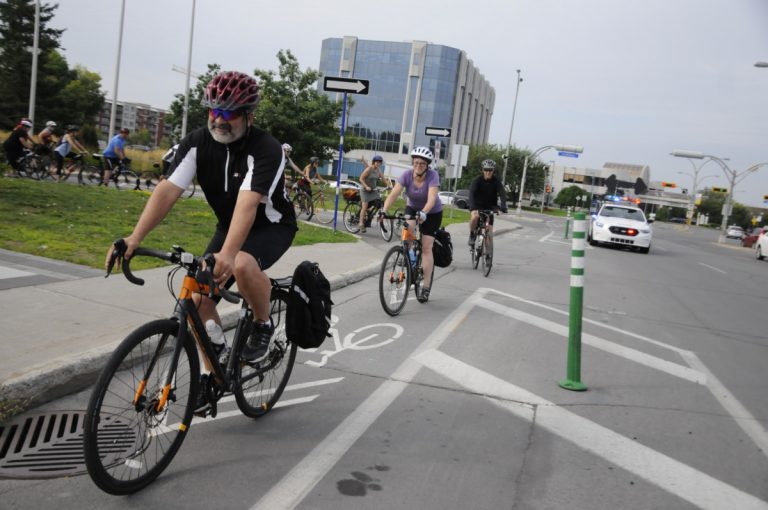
(487, 255)
(127, 441)
(89, 175)
(149, 180)
(352, 217)
(302, 204)
(394, 280)
(258, 386)
(127, 179)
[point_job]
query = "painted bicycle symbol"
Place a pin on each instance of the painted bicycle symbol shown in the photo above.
(363, 338)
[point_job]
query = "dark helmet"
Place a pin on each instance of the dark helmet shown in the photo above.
(377, 158)
(232, 90)
(72, 127)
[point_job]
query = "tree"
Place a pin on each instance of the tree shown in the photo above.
(567, 197)
(17, 27)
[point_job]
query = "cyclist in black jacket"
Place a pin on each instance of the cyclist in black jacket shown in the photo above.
(486, 193)
(240, 169)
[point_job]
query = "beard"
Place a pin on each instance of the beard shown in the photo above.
(223, 132)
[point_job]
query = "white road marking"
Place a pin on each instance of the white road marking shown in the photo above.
(661, 470)
(8, 272)
(712, 268)
(297, 483)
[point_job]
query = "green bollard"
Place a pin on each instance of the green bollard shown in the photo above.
(573, 373)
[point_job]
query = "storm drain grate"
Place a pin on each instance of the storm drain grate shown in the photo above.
(50, 445)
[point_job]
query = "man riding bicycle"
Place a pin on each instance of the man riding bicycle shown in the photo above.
(487, 194)
(240, 170)
(17, 141)
(114, 154)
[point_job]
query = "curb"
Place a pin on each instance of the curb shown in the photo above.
(66, 376)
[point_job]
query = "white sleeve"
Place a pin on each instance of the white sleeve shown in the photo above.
(184, 173)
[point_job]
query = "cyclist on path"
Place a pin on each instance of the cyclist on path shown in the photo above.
(67, 144)
(311, 175)
(421, 185)
(45, 137)
(17, 141)
(114, 154)
(240, 169)
(368, 192)
(287, 149)
(486, 193)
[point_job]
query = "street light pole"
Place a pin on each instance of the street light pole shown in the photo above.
(567, 148)
(189, 72)
(113, 112)
(35, 51)
(509, 141)
(733, 176)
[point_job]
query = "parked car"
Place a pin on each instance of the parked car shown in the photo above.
(761, 246)
(621, 225)
(446, 197)
(461, 198)
(749, 239)
(345, 184)
(734, 232)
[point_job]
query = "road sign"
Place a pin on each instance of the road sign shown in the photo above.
(568, 154)
(437, 131)
(350, 85)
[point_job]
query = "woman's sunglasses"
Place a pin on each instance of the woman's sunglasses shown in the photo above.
(227, 115)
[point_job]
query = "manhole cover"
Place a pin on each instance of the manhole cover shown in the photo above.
(50, 445)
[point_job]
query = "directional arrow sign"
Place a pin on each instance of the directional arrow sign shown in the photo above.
(568, 154)
(437, 131)
(351, 85)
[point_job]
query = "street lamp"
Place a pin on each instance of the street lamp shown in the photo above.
(761, 64)
(578, 149)
(732, 175)
(509, 142)
(692, 198)
(189, 72)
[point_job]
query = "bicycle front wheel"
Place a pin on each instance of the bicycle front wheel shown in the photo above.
(487, 255)
(323, 213)
(302, 204)
(88, 174)
(135, 424)
(394, 280)
(386, 228)
(352, 217)
(258, 386)
(477, 251)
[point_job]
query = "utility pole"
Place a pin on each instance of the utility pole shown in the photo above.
(512, 125)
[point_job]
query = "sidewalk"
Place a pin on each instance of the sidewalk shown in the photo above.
(58, 336)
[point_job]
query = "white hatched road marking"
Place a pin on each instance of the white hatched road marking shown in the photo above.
(713, 268)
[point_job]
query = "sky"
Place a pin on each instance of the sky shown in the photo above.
(629, 80)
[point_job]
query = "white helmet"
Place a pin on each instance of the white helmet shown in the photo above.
(287, 147)
(422, 152)
(26, 122)
(50, 123)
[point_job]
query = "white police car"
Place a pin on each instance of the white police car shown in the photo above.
(621, 225)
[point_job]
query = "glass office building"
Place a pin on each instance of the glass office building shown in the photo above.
(413, 85)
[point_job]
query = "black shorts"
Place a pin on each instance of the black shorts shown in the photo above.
(431, 224)
(490, 216)
(266, 244)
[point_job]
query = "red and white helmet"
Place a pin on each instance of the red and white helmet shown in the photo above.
(232, 90)
(26, 122)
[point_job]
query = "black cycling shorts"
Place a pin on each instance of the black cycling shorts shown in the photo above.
(431, 224)
(490, 216)
(266, 243)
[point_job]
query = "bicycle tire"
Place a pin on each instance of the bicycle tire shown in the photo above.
(118, 457)
(326, 217)
(89, 175)
(386, 228)
(257, 396)
(149, 180)
(487, 255)
(477, 251)
(394, 280)
(351, 217)
(127, 179)
(302, 204)
(398, 232)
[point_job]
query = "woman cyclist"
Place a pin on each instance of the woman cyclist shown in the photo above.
(368, 193)
(421, 185)
(67, 144)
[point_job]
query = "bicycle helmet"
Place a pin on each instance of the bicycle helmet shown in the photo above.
(72, 127)
(26, 123)
(232, 90)
(422, 152)
(287, 147)
(314, 159)
(488, 164)
(377, 158)
(50, 124)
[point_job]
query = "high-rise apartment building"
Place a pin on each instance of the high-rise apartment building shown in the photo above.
(413, 85)
(134, 116)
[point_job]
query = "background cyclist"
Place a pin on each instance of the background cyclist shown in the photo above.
(240, 170)
(295, 170)
(368, 180)
(311, 174)
(421, 185)
(114, 154)
(67, 144)
(17, 141)
(485, 194)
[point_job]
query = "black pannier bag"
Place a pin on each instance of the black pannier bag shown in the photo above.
(308, 314)
(442, 249)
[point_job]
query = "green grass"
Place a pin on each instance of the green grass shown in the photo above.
(77, 224)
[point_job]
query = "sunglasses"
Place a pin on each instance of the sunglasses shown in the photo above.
(488, 170)
(227, 115)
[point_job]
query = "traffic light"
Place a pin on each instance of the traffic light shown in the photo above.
(665, 184)
(640, 187)
(610, 184)
(715, 189)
